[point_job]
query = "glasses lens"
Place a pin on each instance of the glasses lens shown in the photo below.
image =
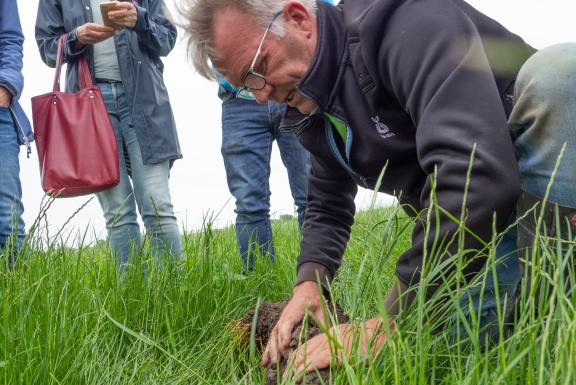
(254, 81)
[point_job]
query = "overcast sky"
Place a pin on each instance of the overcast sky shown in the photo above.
(198, 181)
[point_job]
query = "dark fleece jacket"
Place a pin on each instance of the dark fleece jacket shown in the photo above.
(431, 80)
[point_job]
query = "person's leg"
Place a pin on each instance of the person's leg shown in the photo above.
(151, 191)
(543, 120)
(296, 160)
(11, 208)
(118, 204)
(246, 149)
(491, 300)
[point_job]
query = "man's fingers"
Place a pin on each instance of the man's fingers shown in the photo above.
(91, 28)
(310, 356)
(297, 359)
(125, 14)
(123, 7)
(285, 328)
(271, 355)
(91, 33)
(314, 354)
(323, 317)
(281, 335)
(101, 28)
(266, 356)
(265, 360)
(304, 295)
(295, 367)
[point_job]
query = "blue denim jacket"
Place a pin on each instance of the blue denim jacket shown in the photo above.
(11, 40)
(138, 49)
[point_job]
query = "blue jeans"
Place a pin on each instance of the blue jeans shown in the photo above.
(542, 120)
(142, 185)
(11, 208)
(248, 130)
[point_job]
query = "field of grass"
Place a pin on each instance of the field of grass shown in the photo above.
(67, 317)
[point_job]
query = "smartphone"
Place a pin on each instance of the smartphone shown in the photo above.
(106, 7)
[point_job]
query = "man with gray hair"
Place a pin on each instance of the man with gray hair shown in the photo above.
(425, 88)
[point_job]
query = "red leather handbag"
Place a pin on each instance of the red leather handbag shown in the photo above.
(74, 137)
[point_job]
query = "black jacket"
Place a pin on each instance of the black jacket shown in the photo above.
(419, 83)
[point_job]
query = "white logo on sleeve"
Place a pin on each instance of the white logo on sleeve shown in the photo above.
(381, 128)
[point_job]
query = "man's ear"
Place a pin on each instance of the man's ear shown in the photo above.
(296, 13)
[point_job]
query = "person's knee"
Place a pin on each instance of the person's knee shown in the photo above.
(119, 213)
(252, 196)
(153, 196)
(548, 72)
(158, 208)
(543, 114)
(253, 216)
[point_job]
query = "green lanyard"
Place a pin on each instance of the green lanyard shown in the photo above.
(339, 125)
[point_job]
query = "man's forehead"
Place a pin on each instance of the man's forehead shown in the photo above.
(235, 38)
(232, 28)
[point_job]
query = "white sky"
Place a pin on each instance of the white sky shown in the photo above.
(198, 181)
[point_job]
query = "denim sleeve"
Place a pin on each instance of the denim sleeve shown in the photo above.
(49, 28)
(154, 30)
(11, 40)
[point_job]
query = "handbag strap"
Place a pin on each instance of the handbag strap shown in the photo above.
(84, 73)
(59, 59)
(84, 76)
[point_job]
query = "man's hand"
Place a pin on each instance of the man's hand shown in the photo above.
(305, 297)
(124, 14)
(5, 97)
(316, 353)
(92, 33)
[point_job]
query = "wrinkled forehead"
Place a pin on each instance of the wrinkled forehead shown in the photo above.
(235, 37)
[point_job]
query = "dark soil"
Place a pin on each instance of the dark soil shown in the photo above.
(268, 315)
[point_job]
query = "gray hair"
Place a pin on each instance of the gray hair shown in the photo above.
(198, 18)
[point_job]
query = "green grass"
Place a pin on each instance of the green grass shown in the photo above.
(68, 318)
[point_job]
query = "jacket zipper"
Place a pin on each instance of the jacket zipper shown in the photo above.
(334, 147)
(336, 151)
(24, 137)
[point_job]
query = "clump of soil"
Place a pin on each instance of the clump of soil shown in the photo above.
(268, 315)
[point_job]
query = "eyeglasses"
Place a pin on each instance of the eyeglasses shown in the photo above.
(252, 80)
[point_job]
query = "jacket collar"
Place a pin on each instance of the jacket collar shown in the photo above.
(320, 82)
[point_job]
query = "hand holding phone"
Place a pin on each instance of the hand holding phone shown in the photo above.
(92, 33)
(105, 8)
(119, 14)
